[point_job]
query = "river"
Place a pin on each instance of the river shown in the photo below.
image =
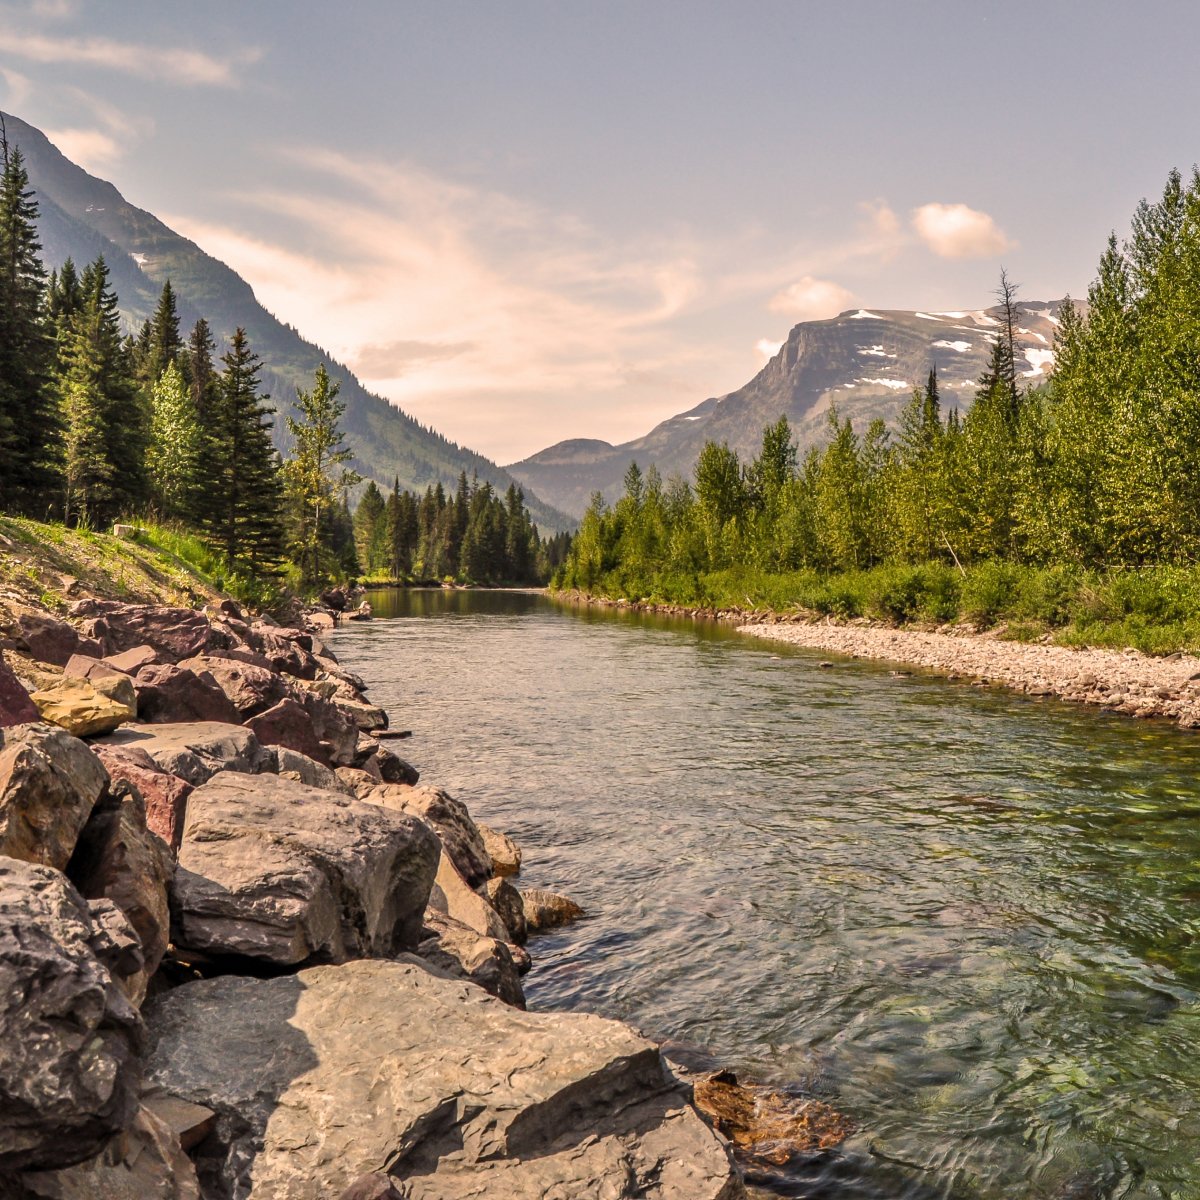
(965, 918)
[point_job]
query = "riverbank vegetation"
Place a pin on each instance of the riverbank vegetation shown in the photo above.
(1071, 508)
(101, 426)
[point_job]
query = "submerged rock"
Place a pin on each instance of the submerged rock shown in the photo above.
(546, 910)
(334, 1073)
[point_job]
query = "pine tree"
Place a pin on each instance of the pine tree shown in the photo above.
(164, 343)
(316, 472)
(29, 425)
(176, 444)
(371, 530)
(242, 507)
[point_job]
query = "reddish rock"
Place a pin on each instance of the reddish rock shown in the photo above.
(333, 728)
(287, 724)
(51, 641)
(167, 694)
(284, 654)
(81, 666)
(242, 654)
(16, 708)
(132, 661)
(175, 633)
(249, 689)
(165, 795)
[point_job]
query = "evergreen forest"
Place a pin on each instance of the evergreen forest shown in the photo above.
(174, 434)
(1067, 507)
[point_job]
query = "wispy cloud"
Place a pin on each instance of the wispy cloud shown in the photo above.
(810, 299)
(169, 64)
(956, 231)
(97, 149)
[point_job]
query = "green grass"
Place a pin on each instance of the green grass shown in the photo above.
(1152, 609)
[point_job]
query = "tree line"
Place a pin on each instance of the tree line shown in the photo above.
(1098, 467)
(96, 426)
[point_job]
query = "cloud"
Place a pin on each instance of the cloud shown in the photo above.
(170, 64)
(767, 348)
(395, 358)
(18, 88)
(879, 218)
(956, 231)
(92, 149)
(97, 149)
(810, 299)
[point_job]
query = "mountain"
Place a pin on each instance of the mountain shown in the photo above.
(863, 361)
(81, 216)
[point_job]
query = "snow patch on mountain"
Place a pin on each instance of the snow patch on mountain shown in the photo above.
(957, 347)
(896, 385)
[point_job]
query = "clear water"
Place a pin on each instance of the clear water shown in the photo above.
(967, 919)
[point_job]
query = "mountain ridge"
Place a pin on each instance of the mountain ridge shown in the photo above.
(81, 216)
(864, 362)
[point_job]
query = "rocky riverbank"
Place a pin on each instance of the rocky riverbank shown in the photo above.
(1128, 682)
(246, 954)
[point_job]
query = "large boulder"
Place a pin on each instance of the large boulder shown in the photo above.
(334, 1073)
(462, 952)
(450, 820)
(250, 689)
(169, 694)
(118, 858)
(332, 727)
(16, 708)
(49, 784)
(87, 707)
(143, 1162)
(164, 795)
(274, 870)
(173, 633)
(196, 751)
(50, 641)
(288, 724)
(69, 1038)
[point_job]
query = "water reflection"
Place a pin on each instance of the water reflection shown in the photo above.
(966, 918)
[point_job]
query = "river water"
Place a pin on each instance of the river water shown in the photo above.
(966, 919)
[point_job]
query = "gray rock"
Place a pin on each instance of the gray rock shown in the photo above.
(69, 1039)
(117, 857)
(143, 1162)
(453, 898)
(462, 952)
(301, 768)
(449, 819)
(334, 1073)
(197, 750)
(277, 871)
(49, 783)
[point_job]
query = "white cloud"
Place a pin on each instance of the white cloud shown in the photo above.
(767, 348)
(810, 299)
(956, 231)
(170, 64)
(92, 149)
(18, 88)
(879, 218)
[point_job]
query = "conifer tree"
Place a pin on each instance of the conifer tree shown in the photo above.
(29, 425)
(164, 343)
(176, 443)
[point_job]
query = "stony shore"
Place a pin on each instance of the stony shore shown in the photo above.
(244, 953)
(1123, 681)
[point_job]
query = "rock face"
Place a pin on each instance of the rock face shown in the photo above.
(277, 871)
(453, 898)
(16, 708)
(462, 952)
(196, 751)
(49, 783)
(504, 853)
(69, 1039)
(451, 820)
(119, 858)
(167, 694)
(173, 633)
(335, 1073)
(87, 707)
(165, 796)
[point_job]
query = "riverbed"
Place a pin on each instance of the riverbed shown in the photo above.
(966, 918)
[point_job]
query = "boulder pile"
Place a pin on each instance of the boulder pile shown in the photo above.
(243, 954)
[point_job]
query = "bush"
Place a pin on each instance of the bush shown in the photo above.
(988, 591)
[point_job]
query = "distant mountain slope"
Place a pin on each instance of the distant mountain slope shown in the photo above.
(865, 362)
(82, 216)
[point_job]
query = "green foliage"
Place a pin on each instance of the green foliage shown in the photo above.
(176, 444)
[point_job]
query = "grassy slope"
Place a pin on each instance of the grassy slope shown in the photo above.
(50, 566)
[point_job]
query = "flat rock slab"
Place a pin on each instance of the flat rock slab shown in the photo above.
(334, 1073)
(196, 750)
(274, 870)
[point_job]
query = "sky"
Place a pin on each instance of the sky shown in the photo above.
(531, 221)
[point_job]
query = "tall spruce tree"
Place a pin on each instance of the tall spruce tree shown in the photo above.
(176, 444)
(29, 425)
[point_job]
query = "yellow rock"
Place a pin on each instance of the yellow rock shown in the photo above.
(82, 708)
